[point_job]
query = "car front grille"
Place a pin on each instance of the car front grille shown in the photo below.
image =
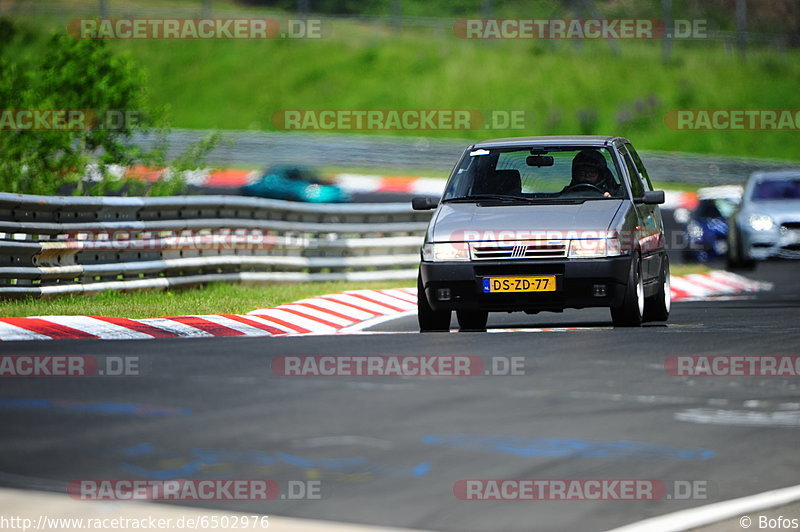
(519, 250)
(791, 226)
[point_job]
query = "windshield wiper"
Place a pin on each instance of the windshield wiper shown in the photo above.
(515, 199)
(479, 197)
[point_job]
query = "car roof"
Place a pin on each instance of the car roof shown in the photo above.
(776, 174)
(558, 140)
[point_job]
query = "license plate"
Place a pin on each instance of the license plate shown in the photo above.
(540, 283)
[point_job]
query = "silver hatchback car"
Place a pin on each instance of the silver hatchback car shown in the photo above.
(542, 224)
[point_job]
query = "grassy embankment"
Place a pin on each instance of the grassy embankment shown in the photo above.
(564, 87)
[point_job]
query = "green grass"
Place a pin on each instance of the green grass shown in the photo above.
(212, 299)
(689, 187)
(360, 68)
(565, 88)
(686, 269)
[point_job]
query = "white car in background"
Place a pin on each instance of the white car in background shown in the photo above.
(767, 222)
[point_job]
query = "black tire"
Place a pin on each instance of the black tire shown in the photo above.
(656, 307)
(629, 312)
(472, 320)
(430, 320)
(735, 256)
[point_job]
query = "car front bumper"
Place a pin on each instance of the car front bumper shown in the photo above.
(576, 284)
(773, 244)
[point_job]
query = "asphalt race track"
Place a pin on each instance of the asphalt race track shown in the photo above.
(593, 403)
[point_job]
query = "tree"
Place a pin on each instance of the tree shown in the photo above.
(104, 92)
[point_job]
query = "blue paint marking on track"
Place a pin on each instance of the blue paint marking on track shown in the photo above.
(567, 447)
(422, 469)
(92, 407)
(337, 464)
(136, 450)
(220, 463)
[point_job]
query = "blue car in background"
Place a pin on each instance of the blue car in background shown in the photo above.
(707, 227)
(295, 183)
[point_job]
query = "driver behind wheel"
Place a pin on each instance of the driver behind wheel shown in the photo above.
(589, 168)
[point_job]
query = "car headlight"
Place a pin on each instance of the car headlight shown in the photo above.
(594, 248)
(449, 251)
(760, 222)
(694, 230)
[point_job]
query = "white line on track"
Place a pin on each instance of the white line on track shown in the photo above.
(376, 321)
(713, 513)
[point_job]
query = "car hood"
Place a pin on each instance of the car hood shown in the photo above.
(779, 210)
(455, 220)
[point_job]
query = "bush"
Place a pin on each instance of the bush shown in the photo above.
(106, 94)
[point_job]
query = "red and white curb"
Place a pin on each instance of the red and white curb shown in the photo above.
(717, 285)
(425, 186)
(326, 314)
(342, 313)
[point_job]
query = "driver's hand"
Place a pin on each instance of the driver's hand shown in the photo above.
(607, 194)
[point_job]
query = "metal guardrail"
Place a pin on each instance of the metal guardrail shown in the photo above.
(61, 245)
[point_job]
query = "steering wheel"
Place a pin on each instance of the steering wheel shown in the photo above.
(587, 186)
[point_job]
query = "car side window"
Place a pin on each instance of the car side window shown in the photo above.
(636, 183)
(641, 170)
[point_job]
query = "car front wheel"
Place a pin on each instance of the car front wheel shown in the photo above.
(430, 320)
(629, 312)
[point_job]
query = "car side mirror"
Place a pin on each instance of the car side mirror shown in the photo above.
(651, 197)
(424, 203)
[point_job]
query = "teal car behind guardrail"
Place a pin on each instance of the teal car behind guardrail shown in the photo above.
(295, 183)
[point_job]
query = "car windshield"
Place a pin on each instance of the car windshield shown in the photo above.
(525, 174)
(716, 208)
(777, 189)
